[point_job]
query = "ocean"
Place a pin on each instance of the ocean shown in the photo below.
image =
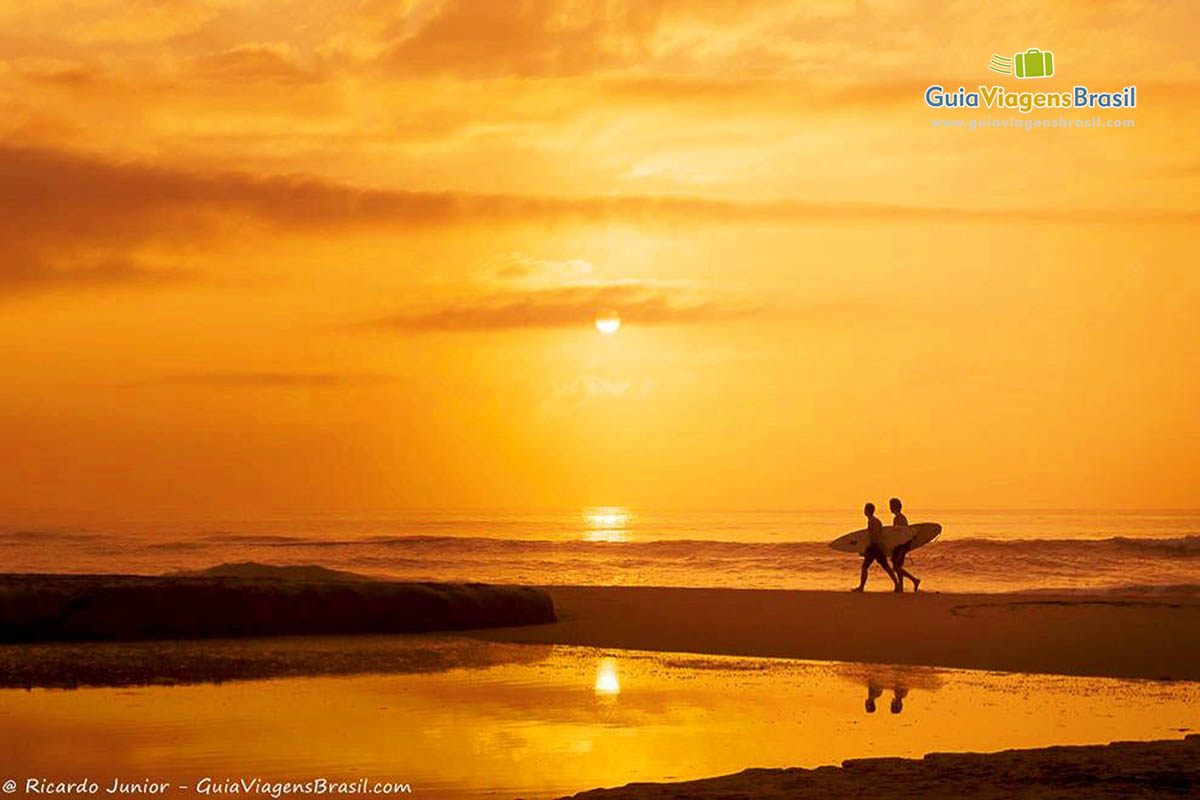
(1153, 552)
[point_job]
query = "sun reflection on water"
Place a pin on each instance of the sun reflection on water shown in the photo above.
(607, 682)
(606, 524)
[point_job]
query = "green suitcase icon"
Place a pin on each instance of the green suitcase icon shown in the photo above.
(1034, 63)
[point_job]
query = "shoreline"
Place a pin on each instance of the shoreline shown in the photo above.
(1131, 636)
(1118, 770)
(1100, 635)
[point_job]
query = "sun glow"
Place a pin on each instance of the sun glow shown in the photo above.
(608, 322)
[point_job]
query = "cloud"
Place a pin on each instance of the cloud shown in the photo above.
(536, 37)
(24, 271)
(572, 306)
(82, 197)
(541, 38)
(256, 62)
(756, 95)
(110, 23)
(590, 387)
(520, 267)
(71, 219)
(270, 380)
(52, 71)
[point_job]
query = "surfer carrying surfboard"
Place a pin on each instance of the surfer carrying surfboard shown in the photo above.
(874, 551)
(893, 542)
(900, 551)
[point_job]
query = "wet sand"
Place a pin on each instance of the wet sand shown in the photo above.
(1101, 635)
(71, 665)
(1119, 770)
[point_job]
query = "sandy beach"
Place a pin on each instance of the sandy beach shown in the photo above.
(1098, 635)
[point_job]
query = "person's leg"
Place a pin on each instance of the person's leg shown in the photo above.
(883, 563)
(875, 555)
(898, 556)
(868, 557)
(916, 582)
(903, 573)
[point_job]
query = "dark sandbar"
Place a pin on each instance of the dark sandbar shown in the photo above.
(1121, 770)
(39, 608)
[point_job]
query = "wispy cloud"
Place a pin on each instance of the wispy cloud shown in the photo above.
(638, 302)
(270, 380)
(591, 387)
(25, 270)
(533, 38)
(78, 195)
(71, 219)
(256, 62)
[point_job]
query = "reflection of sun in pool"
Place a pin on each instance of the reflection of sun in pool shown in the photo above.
(606, 677)
(608, 322)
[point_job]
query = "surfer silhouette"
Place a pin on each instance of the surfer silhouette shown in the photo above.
(900, 551)
(874, 551)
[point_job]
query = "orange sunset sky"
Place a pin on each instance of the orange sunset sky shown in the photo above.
(348, 254)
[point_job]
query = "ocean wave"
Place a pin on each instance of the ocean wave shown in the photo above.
(1184, 546)
(20, 537)
(1162, 565)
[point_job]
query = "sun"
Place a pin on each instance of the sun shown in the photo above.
(608, 322)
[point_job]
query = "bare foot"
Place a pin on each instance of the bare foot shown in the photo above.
(899, 587)
(857, 589)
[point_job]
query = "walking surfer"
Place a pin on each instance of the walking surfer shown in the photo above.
(900, 551)
(874, 551)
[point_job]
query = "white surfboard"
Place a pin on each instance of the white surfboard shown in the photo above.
(920, 535)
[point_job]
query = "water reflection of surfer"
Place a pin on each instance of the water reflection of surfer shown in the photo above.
(874, 691)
